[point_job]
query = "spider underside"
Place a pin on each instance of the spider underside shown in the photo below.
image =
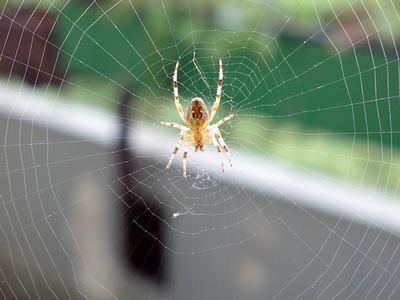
(198, 133)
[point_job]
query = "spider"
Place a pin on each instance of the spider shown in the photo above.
(198, 133)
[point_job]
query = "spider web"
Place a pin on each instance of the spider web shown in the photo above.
(309, 209)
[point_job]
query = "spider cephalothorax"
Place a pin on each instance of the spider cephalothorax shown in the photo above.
(199, 133)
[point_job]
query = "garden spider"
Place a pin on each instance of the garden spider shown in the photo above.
(199, 133)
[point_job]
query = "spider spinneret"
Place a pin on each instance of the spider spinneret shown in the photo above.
(198, 132)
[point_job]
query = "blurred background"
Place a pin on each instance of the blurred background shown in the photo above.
(309, 209)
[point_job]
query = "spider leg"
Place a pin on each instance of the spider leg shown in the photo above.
(224, 120)
(178, 144)
(173, 125)
(184, 159)
(176, 95)
(219, 151)
(218, 97)
(221, 141)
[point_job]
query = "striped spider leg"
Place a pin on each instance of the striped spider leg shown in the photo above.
(221, 140)
(178, 144)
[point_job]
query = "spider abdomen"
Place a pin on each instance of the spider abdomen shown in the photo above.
(197, 113)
